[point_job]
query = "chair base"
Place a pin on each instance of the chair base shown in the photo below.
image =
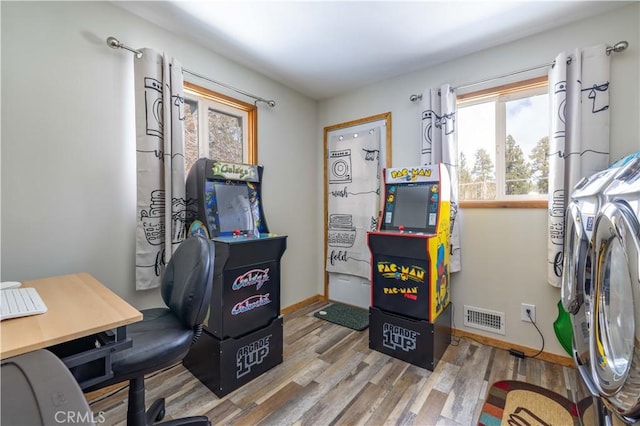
(137, 416)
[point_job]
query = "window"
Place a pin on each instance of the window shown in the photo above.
(218, 127)
(503, 140)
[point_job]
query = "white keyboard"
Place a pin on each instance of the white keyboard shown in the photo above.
(21, 302)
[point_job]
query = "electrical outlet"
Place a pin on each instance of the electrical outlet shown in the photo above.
(523, 312)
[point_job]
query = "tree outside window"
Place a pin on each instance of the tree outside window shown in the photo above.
(218, 127)
(503, 143)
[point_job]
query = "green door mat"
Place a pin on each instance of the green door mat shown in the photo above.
(345, 315)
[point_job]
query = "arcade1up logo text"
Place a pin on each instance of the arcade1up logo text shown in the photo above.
(251, 355)
(395, 337)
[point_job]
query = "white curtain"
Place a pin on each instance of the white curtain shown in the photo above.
(353, 169)
(579, 138)
(440, 145)
(159, 97)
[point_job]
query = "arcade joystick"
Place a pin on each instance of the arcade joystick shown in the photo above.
(236, 232)
(401, 228)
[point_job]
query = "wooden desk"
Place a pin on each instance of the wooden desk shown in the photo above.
(78, 306)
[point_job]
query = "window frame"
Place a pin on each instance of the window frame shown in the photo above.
(502, 91)
(231, 105)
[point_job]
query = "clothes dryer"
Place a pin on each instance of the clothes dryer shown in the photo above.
(614, 344)
(576, 291)
(585, 202)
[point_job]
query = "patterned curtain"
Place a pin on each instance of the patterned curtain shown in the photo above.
(159, 97)
(579, 138)
(353, 169)
(440, 145)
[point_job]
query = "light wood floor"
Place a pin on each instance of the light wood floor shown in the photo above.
(330, 377)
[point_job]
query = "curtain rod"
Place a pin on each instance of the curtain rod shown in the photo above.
(114, 43)
(618, 47)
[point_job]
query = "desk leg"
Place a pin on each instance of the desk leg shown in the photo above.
(121, 333)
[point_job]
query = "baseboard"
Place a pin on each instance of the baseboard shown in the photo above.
(564, 361)
(302, 304)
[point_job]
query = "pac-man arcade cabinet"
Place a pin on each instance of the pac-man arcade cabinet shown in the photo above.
(242, 336)
(410, 316)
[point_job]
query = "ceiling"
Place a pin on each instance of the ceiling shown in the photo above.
(324, 48)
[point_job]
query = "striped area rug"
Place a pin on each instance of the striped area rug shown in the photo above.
(510, 402)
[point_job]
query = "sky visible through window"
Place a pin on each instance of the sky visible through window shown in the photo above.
(527, 121)
(477, 130)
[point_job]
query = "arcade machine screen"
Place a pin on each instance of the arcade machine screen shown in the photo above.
(411, 208)
(233, 206)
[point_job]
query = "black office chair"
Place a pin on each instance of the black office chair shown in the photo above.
(164, 335)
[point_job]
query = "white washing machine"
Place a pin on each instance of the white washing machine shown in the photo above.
(614, 345)
(586, 200)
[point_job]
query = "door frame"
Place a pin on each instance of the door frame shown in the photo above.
(386, 116)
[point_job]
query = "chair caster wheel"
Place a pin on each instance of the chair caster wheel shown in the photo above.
(156, 412)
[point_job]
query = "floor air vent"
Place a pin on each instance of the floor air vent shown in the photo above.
(484, 319)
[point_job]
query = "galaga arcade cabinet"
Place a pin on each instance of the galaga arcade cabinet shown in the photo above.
(242, 336)
(410, 316)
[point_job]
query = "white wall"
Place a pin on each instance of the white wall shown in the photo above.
(503, 250)
(68, 142)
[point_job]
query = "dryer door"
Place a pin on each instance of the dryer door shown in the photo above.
(575, 250)
(576, 283)
(615, 335)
